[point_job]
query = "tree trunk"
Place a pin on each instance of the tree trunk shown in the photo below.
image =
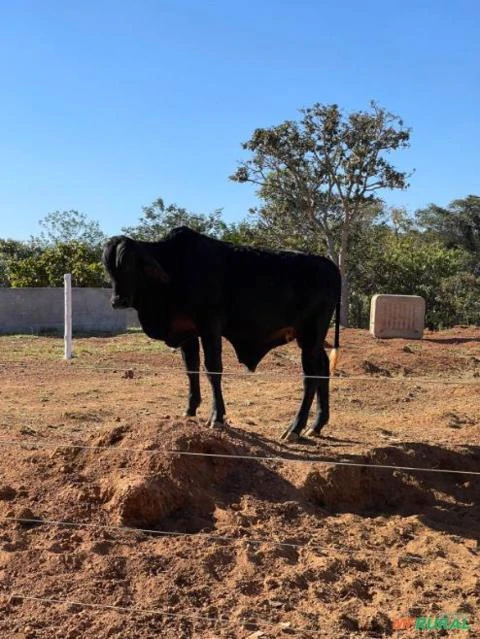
(342, 265)
(344, 299)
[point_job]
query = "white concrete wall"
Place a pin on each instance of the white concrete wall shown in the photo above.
(31, 310)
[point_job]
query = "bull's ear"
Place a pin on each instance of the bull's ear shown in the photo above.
(121, 253)
(156, 272)
(153, 269)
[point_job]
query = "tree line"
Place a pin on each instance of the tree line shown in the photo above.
(321, 182)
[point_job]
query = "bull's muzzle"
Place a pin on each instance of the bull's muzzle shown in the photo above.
(120, 302)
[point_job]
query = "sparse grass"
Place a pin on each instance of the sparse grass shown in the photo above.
(415, 347)
(20, 348)
(15, 348)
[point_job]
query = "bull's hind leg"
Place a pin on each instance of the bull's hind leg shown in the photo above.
(323, 408)
(191, 358)
(311, 368)
(212, 349)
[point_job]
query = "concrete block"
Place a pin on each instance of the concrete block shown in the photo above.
(397, 316)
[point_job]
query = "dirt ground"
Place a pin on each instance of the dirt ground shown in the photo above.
(119, 518)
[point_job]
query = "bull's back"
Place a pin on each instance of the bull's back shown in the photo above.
(272, 290)
(257, 291)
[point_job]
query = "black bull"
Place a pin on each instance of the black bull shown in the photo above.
(190, 287)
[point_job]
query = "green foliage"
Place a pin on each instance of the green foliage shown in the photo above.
(49, 267)
(158, 219)
(70, 243)
(10, 252)
(458, 225)
(62, 227)
(257, 233)
(366, 253)
(13, 249)
(461, 299)
(244, 232)
(411, 264)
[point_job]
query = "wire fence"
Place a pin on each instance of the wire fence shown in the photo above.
(153, 532)
(246, 623)
(59, 444)
(177, 370)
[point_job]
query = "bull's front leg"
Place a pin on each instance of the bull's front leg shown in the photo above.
(191, 358)
(212, 350)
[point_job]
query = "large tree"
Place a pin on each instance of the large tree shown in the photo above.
(319, 177)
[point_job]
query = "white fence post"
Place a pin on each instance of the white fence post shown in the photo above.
(67, 282)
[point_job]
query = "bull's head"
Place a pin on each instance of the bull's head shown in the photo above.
(128, 264)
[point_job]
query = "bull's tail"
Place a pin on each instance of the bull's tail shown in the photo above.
(333, 356)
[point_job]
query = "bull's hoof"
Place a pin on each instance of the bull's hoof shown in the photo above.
(216, 425)
(290, 436)
(311, 432)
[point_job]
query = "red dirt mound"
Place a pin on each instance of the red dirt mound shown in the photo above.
(373, 488)
(157, 491)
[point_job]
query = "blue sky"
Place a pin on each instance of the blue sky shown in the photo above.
(106, 105)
